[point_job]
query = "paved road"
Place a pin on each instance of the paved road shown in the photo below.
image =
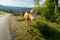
(4, 27)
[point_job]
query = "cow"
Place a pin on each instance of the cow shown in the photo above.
(17, 15)
(28, 18)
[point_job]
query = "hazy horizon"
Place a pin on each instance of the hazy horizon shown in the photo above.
(19, 3)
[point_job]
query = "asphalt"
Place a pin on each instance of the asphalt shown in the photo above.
(4, 27)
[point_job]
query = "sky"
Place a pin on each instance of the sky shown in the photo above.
(59, 2)
(19, 3)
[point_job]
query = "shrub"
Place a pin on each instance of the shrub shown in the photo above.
(47, 29)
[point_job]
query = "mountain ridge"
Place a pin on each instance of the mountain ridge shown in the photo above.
(12, 9)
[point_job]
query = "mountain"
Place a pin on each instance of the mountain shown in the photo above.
(12, 9)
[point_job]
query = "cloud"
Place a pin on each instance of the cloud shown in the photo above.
(24, 3)
(5, 2)
(19, 3)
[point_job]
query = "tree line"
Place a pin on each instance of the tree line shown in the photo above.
(50, 9)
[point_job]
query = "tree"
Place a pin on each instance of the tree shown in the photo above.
(36, 8)
(50, 8)
(57, 12)
(56, 6)
(36, 2)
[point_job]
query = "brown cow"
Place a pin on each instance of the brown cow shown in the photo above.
(27, 17)
(17, 15)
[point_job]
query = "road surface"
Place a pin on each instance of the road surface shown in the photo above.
(4, 27)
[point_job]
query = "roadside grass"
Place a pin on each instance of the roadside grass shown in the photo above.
(1, 12)
(16, 30)
(11, 23)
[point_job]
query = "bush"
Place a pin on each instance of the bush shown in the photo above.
(47, 29)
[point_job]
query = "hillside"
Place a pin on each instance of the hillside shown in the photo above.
(12, 9)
